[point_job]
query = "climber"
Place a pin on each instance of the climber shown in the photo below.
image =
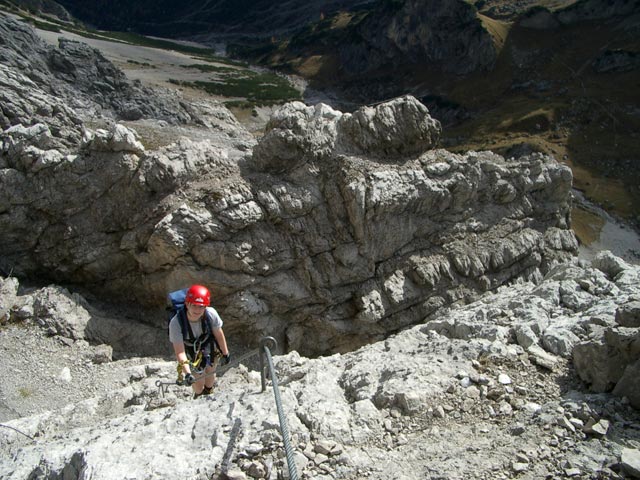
(195, 332)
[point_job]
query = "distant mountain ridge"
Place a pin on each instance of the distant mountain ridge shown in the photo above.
(222, 17)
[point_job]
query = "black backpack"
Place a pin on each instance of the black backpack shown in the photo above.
(192, 344)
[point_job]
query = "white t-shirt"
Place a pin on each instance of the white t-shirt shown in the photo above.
(175, 332)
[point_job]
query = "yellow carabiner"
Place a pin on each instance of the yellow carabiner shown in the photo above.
(198, 359)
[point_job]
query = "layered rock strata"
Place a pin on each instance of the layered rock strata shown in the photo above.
(335, 230)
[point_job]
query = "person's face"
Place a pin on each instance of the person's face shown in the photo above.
(195, 311)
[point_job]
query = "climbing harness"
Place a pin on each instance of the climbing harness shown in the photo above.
(265, 342)
(196, 366)
(163, 387)
(199, 350)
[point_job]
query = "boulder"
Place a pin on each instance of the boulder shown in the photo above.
(8, 297)
(628, 315)
(629, 384)
(608, 359)
(61, 313)
(630, 462)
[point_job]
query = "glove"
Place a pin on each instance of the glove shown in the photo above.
(189, 379)
(226, 359)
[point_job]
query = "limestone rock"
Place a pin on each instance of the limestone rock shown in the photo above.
(295, 134)
(355, 415)
(8, 297)
(629, 384)
(383, 211)
(333, 222)
(609, 356)
(398, 128)
(628, 315)
(83, 77)
(117, 139)
(61, 313)
(630, 462)
(602, 361)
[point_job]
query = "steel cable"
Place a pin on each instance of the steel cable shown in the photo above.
(293, 472)
(16, 430)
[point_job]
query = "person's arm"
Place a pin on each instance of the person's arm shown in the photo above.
(181, 355)
(222, 341)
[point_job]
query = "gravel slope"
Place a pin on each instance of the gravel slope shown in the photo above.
(43, 372)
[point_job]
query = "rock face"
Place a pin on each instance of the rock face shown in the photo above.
(413, 232)
(337, 229)
(497, 371)
(332, 231)
(610, 358)
(47, 7)
(77, 75)
(596, 10)
(420, 32)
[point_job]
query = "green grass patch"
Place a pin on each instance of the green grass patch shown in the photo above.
(49, 27)
(255, 88)
(25, 392)
(241, 104)
(212, 68)
(142, 64)
(586, 225)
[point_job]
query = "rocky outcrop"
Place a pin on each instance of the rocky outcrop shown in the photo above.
(420, 32)
(334, 225)
(400, 215)
(596, 10)
(335, 243)
(63, 314)
(79, 76)
(496, 370)
(541, 18)
(46, 8)
(610, 358)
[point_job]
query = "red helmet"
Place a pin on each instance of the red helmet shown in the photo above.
(198, 295)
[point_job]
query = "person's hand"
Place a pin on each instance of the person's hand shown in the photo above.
(189, 379)
(226, 359)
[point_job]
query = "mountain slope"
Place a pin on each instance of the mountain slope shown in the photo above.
(486, 391)
(562, 82)
(553, 76)
(170, 18)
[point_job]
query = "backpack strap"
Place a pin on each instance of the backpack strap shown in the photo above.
(187, 332)
(212, 339)
(189, 338)
(185, 328)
